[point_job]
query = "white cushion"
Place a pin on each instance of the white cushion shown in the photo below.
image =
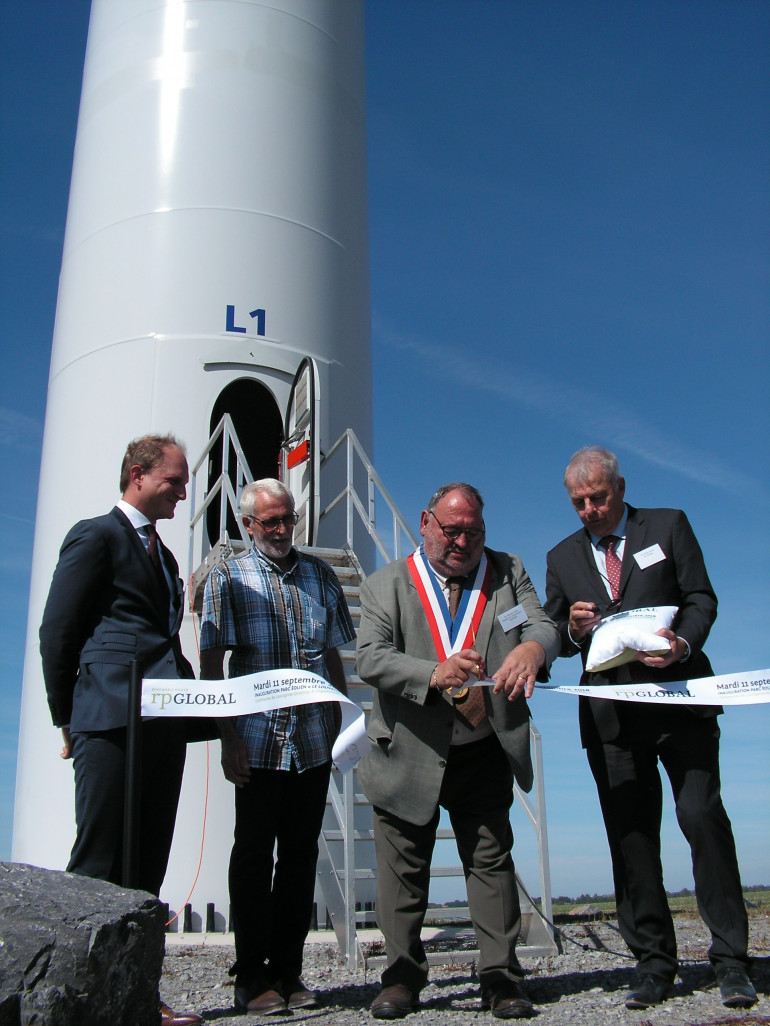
(618, 638)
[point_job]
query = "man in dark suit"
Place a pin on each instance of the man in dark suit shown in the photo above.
(625, 558)
(451, 611)
(116, 596)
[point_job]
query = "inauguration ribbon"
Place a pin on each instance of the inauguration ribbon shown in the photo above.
(279, 689)
(258, 693)
(747, 688)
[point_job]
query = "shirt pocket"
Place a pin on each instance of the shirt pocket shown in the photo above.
(315, 622)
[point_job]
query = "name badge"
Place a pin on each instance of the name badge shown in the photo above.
(512, 618)
(649, 556)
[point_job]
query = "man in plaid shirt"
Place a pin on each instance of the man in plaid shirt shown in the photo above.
(275, 607)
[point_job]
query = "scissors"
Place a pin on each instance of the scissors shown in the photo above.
(461, 692)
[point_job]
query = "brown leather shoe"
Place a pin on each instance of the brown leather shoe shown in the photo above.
(298, 996)
(269, 1002)
(508, 1001)
(394, 1002)
(168, 1017)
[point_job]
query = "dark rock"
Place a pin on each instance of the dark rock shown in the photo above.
(76, 951)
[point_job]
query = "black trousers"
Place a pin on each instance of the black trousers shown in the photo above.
(99, 759)
(271, 895)
(630, 793)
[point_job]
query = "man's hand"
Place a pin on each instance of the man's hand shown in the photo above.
(66, 751)
(584, 617)
(518, 673)
(658, 662)
(235, 763)
(455, 671)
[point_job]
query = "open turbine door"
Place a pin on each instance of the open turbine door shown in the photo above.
(300, 451)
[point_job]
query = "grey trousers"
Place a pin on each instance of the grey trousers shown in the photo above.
(477, 792)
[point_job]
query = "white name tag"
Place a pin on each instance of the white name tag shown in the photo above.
(650, 556)
(512, 618)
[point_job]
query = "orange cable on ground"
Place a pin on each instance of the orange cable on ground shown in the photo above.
(208, 761)
(203, 841)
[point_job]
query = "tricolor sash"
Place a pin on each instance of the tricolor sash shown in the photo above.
(449, 637)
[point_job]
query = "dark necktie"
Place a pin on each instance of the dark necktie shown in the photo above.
(470, 708)
(614, 565)
(157, 565)
(455, 585)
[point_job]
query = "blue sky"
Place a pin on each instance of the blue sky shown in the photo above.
(569, 209)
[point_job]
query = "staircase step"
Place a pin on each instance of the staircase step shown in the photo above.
(335, 557)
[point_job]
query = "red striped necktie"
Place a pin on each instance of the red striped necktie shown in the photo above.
(614, 565)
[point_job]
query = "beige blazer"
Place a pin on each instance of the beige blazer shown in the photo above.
(411, 723)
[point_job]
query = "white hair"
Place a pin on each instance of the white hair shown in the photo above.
(271, 486)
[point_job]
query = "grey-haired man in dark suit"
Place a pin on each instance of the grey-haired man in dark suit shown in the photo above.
(625, 558)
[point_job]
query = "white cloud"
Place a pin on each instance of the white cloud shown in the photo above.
(20, 432)
(570, 403)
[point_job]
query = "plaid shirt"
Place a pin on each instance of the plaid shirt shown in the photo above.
(270, 619)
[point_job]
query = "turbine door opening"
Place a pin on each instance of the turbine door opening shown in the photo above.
(301, 457)
(259, 426)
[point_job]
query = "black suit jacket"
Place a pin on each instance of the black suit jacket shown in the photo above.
(105, 608)
(678, 580)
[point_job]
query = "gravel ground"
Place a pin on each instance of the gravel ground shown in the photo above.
(584, 985)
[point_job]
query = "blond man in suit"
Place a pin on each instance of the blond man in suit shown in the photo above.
(116, 596)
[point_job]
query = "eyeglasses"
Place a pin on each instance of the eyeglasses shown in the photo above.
(273, 523)
(453, 533)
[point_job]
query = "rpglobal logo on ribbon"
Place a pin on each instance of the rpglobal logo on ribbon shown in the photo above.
(157, 700)
(256, 693)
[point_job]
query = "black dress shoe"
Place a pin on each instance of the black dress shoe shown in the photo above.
(508, 1001)
(735, 987)
(649, 989)
(394, 1002)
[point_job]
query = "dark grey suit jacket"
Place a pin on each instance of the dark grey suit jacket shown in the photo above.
(411, 723)
(678, 580)
(105, 608)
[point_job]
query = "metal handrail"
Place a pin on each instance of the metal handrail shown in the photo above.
(367, 514)
(389, 548)
(222, 488)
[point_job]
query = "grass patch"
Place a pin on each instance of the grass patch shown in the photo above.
(757, 899)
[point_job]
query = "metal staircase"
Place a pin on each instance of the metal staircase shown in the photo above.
(366, 516)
